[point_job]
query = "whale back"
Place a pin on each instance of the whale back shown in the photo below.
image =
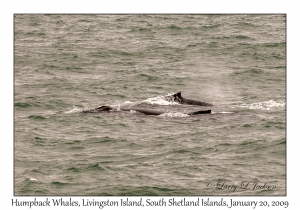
(142, 110)
(98, 109)
(181, 100)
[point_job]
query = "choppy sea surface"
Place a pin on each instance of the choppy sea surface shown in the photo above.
(65, 64)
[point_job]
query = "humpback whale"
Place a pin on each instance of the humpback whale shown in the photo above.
(141, 110)
(176, 97)
(181, 100)
(155, 112)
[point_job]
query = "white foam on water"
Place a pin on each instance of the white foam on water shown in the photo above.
(265, 105)
(226, 112)
(173, 114)
(118, 105)
(74, 110)
(161, 100)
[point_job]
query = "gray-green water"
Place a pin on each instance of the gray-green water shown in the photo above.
(64, 64)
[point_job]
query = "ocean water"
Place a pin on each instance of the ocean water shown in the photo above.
(65, 64)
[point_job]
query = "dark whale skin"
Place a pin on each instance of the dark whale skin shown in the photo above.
(141, 110)
(178, 98)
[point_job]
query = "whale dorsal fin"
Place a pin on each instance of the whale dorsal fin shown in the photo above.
(177, 95)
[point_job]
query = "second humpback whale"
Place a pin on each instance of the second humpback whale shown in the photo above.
(181, 100)
(141, 110)
(156, 112)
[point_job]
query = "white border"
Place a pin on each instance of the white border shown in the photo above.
(8, 8)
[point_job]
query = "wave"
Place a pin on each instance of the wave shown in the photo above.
(22, 105)
(212, 26)
(173, 26)
(241, 37)
(36, 117)
(274, 44)
(252, 72)
(148, 77)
